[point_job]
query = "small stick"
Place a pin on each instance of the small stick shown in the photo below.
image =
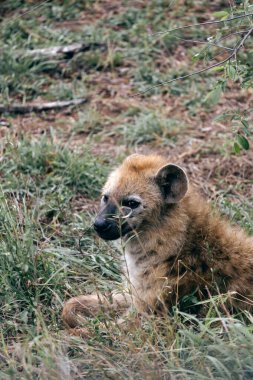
(38, 107)
(56, 50)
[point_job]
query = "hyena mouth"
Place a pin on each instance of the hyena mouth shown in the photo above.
(111, 233)
(112, 230)
(115, 225)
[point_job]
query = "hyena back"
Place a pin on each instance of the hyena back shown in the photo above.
(174, 242)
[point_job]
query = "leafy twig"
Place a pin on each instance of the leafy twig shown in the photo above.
(202, 24)
(232, 34)
(203, 42)
(233, 54)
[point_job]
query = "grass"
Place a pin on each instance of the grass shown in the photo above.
(48, 254)
(89, 121)
(50, 184)
(124, 35)
(32, 165)
(148, 126)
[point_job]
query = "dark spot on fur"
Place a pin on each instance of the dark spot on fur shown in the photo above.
(145, 257)
(181, 271)
(193, 267)
(170, 260)
(135, 252)
(250, 278)
(176, 272)
(159, 242)
(160, 308)
(221, 256)
(151, 253)
(141, 259)
(146, 272)
(235, 269)
(204, 267)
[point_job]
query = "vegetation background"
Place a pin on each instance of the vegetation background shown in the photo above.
(53, 164)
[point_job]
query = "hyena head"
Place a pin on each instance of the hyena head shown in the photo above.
(137, 194)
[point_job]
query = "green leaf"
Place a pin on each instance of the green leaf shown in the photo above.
(245, 127)
(225, 116)
(237, 148)
(242, 141)
(196, 57)
(231, 72)
(245, 123)
(221, 14)
(217, 68)
(213, 97)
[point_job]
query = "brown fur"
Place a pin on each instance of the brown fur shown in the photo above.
(175, 249)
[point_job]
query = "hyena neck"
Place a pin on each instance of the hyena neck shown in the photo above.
(213, 234)
(163, 236)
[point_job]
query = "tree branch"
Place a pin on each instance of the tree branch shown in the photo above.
(233, 54)
(215, 42)
(204, 42)
(202, 23)
(232, 34)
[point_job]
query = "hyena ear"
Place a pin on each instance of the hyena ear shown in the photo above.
(173, 182)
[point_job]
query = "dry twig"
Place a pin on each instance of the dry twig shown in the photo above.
(38, 107)
(57, 50)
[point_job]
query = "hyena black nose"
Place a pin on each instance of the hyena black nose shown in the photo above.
(101, 225)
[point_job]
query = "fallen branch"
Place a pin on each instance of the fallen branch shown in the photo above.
(56, 50)
(39, 107)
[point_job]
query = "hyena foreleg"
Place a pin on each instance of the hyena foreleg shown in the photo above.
(77, 309)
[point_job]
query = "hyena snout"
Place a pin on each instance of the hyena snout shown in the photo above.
(110, 227)
(102, 225)
(111, 230)
(105, 228)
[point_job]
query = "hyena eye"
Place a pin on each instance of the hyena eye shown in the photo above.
(104, 198)
(131, 203)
